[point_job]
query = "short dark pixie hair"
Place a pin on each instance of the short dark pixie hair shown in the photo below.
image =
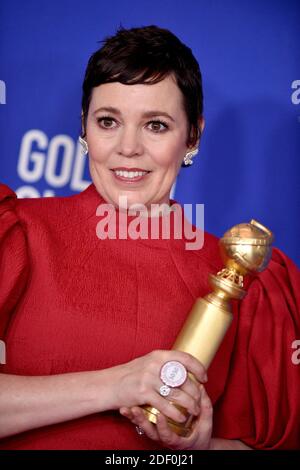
(147, 55)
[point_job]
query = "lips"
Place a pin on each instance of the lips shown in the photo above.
(130, 175)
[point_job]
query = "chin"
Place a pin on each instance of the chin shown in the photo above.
(129, 201)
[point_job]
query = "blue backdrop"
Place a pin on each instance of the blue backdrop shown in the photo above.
(249, 54)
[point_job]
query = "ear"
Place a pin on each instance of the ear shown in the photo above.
(82, 125)
(201, 125)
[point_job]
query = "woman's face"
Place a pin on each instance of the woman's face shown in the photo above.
(136, 136)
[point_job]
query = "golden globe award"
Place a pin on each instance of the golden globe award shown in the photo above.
(245, 248)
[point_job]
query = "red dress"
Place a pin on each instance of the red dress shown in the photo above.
(71, 302)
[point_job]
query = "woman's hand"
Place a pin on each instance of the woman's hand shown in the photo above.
(200, 437)
(138, 383)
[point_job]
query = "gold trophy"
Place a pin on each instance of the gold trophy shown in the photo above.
(245, 248)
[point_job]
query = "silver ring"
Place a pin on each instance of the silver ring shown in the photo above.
(164, 390)
(139, 430)
(173, 374)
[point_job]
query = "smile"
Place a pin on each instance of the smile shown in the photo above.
(130, 175)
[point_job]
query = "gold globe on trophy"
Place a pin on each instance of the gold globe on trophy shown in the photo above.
(245, 248)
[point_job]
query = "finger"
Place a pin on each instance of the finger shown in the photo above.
(188, 396)
(165, 433)
(166, 407)
(190, 362)
(206, 413)
(124, 411)
(180, 397)
(141, 420)
(200, 437)
(192, 388)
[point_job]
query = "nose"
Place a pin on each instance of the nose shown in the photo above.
(129, 144)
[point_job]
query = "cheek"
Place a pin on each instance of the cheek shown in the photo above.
(170, 157)
(99, 151)
(99, 147)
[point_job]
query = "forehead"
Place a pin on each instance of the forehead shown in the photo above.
(164, 95)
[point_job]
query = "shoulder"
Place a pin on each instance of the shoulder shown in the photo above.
(62, 211)
(14, 261)
(7, 199)
(280, 270)
(280, 280)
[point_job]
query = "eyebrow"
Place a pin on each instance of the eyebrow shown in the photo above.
(147, 114)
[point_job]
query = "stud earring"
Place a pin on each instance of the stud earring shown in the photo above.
(84, 146)
(187, 160)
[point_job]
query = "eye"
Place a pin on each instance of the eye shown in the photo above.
(158, 126)
(106, 122)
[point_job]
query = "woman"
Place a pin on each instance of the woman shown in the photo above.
(88, 321)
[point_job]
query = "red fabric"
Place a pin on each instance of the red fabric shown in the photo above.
(71, 302)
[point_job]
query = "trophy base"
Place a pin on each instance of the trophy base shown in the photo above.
(181, 429)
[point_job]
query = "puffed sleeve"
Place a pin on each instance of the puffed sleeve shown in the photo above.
(261, 402)
(13, 257)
